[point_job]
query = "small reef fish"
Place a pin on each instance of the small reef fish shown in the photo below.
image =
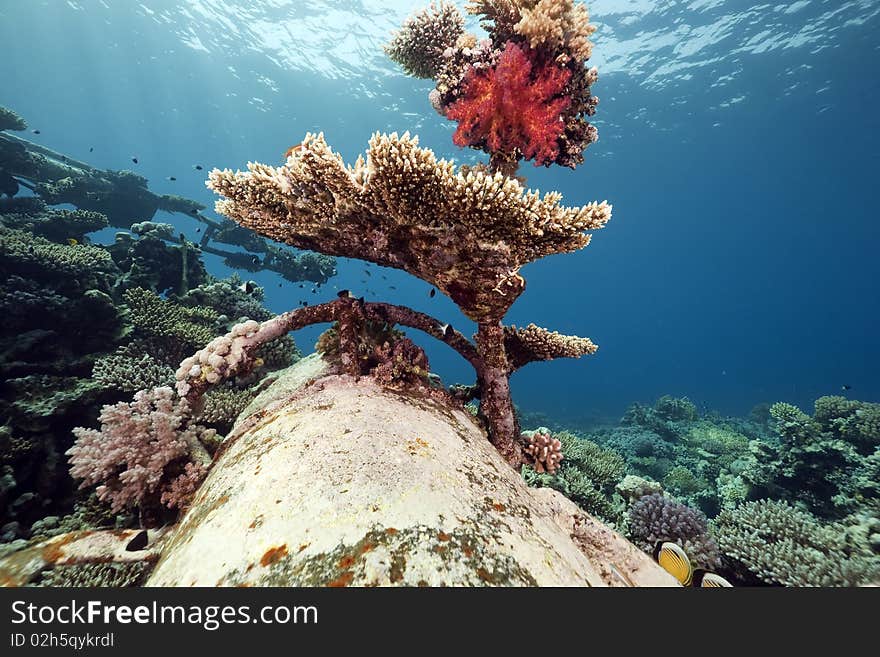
(675, 561)
(845, 387)
(91, 148)
(198, 230)
(135, 160)
(713, 581)
(72, 241)
(367, 272)
(197, 167)
(36, 132)
(172, 178)
(290, 151)
(248, 287)
(255, 260)
(139, 542)
(432, 293)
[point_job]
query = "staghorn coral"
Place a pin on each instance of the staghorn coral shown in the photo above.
(145, 453)
(401, 207)
(771, 541)
(656, 518)
(419, 44)
(515, 107)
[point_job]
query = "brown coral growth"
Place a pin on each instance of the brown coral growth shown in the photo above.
(545, 451)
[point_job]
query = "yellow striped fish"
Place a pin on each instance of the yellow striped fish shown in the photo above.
(711, 581)
(674, 561)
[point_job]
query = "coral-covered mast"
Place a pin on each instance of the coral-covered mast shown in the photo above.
(522, 94)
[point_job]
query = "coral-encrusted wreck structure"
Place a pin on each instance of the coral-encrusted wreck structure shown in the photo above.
(355, 466)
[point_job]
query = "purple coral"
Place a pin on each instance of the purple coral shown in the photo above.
(145, 453)
(656, 518)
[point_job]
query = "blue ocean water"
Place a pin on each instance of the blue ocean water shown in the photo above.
(738, 143)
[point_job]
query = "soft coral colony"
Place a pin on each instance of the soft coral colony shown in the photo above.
(521, 94)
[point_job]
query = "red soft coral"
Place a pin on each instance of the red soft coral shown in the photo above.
(515, 105)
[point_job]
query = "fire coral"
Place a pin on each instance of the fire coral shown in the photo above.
(517, 105)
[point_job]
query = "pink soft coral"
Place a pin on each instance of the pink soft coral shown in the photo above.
(146, 451)
(515, 105)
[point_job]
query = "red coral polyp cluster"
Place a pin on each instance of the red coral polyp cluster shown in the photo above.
(515, 106)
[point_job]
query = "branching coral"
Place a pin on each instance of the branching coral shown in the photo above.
(522, 93)
(515, 106)
(130, 374)
(146, 452)
(587, 474)
(821, 461)
(533, 343)
(9, 120)
(154, 316)
(656, 518)
(419, 44)
(401, 207)
(778, 544)
(466, 234)
(82, 266)
(545, 451)
(561, 26)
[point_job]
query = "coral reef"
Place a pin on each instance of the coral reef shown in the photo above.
(9, 120)
(419, 44)
(774, 543)
(587, 475)
(515, 106)
(153, 316)
(545, 451)
(656, 518)
(69, 343)
(145, 453)
(828, 462)
(104, 575)
(523, 93)
(467, 235)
